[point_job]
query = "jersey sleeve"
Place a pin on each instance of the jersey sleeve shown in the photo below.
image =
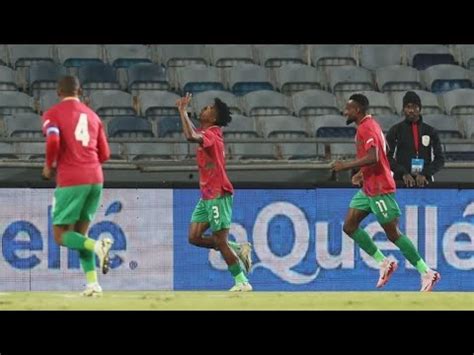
(103, 145)
(208, 138)
(50, 123)
(368, 138)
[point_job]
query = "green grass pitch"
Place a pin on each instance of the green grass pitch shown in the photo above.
(201, 300)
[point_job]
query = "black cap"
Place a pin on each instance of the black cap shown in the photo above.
(411, 98)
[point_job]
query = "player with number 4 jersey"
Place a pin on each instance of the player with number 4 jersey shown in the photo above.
(76, 147)
(377, 195)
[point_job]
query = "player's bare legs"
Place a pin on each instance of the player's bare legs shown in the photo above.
(351, 228)
(428, 277)
(353, 219)
(67, 236)
(87, 260)
(196, 236)
(241, 281)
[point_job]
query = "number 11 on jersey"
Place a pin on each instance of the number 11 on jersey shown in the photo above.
(82, 130)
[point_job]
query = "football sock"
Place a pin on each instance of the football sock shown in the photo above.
(87, 259)
(367, 244)
(411, 254)
(74, 240)
(237, 273)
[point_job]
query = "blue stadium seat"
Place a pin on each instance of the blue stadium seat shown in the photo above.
(130, 127)
(145, 76)
(170, 126)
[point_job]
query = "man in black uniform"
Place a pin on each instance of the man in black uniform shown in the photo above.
(415, 152)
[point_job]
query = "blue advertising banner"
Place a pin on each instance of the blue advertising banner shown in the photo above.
(299, 244)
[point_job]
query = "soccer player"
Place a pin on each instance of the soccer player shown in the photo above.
(214, 209)
(377, 195)
(76, 146)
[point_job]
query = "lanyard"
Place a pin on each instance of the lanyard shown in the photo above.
(414, 128)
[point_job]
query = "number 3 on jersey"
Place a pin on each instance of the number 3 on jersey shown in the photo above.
(82, 130)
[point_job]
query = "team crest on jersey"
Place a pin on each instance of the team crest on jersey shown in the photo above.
(425, 140)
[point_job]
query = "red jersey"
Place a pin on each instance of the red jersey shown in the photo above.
(378, 179)
(210, 156)
(83, 144)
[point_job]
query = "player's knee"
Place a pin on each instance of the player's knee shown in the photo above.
(193, 238)
(349, 227)
(58, 239)
(219, 242)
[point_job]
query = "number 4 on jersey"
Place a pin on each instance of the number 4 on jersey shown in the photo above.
(82, 130)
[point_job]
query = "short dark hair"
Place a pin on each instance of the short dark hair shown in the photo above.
(223, 113)
(69, 84)
(361, 100)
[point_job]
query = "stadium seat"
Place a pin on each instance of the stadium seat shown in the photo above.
(398, 78)
(340, 150)
(206, 98)
(252, 151)
(446, 77)
(380, 55)
(170, 127)
(266, 103)
(4, 55)
(225, 56)
(30, 150)
(314, 103)
(459, 152)
(23, 55)
(48, 99)
(130, 127)
(150, 151)
(156, 104)
(299, 151)
(273, 55)
(12, 102)
(143, 77)
(126, 55)
(429, 102)
(467, 55)
(198, 78)
(24, 125)
(292, 78)
(447, 127)
(8, 151)
(459, 102)
(98, 76)
(77, 55)
(325, 55)
(44, 76)
(116, 151)
(241, 127)
(182, 54)
(328, 126)
(422, 56)
(284, 127)
(387, 121)
(349, 78)
(111, 103)
(467, 124)
(7, 79)
(245, 78)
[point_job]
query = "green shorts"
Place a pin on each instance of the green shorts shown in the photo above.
(76, 203)
(384, 207)
(217, 212)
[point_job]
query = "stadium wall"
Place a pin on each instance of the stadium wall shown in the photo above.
(297, 236)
